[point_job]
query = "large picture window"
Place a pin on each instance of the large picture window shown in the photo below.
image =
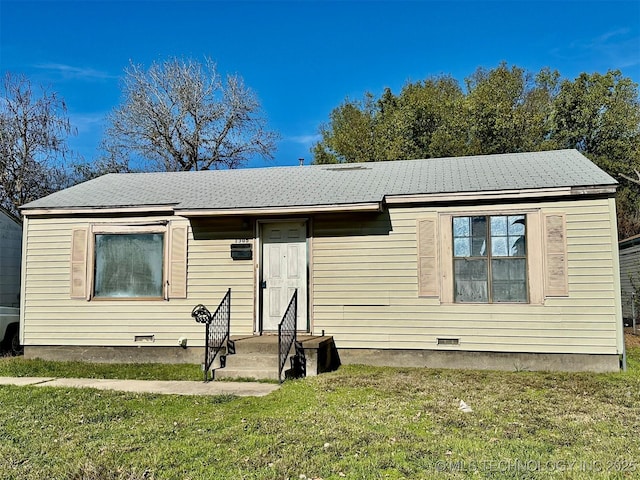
(489, 259)
(129, 265)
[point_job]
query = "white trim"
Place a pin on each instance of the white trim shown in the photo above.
(128, 228)
(23, 278)
(347, 207)
(593, 190)
(489, 195)
(616, 276)
(256, 259)
(97, 211)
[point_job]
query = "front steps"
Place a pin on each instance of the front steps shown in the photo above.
(256, 357)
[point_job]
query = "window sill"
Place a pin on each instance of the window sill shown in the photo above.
(126, 299)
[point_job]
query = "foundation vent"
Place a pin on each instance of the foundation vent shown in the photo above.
(144, 338)
(448, 341)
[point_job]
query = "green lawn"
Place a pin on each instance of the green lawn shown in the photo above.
(358, 422)
(19, 367)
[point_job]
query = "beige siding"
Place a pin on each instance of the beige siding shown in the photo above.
(365, 287)
(52, 317)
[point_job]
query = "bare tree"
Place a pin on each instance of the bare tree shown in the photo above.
(181, 115)
(33, 133)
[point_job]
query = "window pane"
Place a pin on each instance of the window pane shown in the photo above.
(516, 225)
(499, 226)
(479, 236)
(471, 281)
(499, 247)
(517, 246)
(478, 247)
(509, 280)
(479, 227)
(462, 247)
(129, 265)
(461, 227)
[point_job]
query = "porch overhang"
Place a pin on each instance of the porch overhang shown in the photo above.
(287, 210)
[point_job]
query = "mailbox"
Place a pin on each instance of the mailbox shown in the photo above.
(241, 251)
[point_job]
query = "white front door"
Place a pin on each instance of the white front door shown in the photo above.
(284, 268)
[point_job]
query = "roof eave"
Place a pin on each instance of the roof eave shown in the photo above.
(500, 194)
(283, 210)
(61, 211)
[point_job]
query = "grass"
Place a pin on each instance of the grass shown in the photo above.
(359, 422)
(20, 367)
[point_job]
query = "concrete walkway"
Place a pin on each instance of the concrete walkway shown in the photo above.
(242, 389)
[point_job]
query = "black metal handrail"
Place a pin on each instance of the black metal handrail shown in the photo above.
(217, 329)
(287, 332)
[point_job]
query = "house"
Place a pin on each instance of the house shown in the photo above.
(630, 276)
(10, 248)
(10, 255)
(500, 261)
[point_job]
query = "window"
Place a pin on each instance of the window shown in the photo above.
(129, 265)
(123, 261)
(489, 259)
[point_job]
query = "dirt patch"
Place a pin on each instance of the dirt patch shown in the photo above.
(630, 339)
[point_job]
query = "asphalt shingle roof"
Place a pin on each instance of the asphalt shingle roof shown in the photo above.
(317, 185)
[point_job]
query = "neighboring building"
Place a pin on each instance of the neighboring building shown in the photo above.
(630, 276)
(10, 255)
(10, 248)
(499, 261)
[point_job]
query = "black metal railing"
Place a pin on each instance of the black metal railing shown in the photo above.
(287, 332)
(217, 330)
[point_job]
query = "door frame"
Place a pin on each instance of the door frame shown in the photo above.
(257, 325)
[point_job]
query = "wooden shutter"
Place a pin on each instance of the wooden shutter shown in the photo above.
(556, 277)
(535, 258)
(177, 277)
(427, 258)
(79, 243)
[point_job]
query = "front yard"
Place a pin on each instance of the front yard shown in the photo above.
(358, 422)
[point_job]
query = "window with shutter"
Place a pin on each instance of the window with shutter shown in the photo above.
(147, 261)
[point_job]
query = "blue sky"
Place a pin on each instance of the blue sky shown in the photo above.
(304, 58)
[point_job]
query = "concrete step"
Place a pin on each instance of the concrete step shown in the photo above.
(251, 365)
(256, 344)
(252, 360)
(254, 373)
(269, 343)
(257, 357)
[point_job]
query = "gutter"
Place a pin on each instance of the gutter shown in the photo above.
(257, 211)
(527, 193)
(60, 211)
